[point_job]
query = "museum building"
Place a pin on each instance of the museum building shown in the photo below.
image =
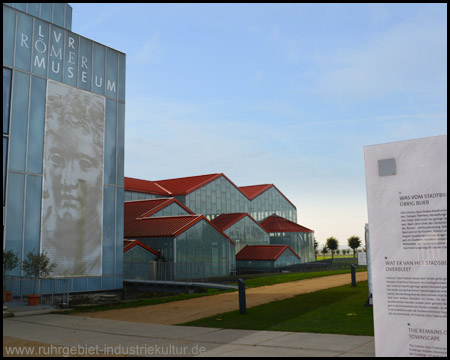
(63, 148)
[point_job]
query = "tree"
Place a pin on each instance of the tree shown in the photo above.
(324, 250)
(354, 242)
(10, 262)
(332, 244)
(37, 265)
(316, 245)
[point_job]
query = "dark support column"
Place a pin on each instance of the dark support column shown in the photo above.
(352, 270)
(242, 302)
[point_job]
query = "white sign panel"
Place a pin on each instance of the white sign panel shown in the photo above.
(72, 204)
(362, 258)
(407, 207)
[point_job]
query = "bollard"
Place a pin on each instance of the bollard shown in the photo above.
(352, 270)
(242, 304)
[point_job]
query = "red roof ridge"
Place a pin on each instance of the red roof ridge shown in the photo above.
(134, 243)
(237, 218)
(173, 185)
(273, 252)
(162, 206)
(275, 223)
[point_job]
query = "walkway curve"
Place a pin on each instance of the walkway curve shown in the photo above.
(179, 312)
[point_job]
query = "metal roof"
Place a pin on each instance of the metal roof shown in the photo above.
(186, 185)
(275, 223)
(225, 221)
(165, 226)
(128, 244)
(145, 186)
(253, 191)
(263, 252)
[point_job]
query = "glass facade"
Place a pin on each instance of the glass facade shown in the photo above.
(269, 202)
(46, 70)
(301, 243)
(137, 261)
(134, 195)
(217, 197)
(247, 232)
(220, 196)
(199, 252)
(285, 259)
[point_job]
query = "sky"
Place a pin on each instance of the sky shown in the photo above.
(283, 94)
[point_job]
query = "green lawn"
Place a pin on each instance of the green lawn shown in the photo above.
(338, 310)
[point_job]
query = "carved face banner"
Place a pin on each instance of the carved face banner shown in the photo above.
(72, 206)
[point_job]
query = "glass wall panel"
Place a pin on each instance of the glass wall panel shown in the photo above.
(119, 231)
(19, 117)
(33, 214)
(111, 73)
(40, 48)
(94, 283)
(20, 6)
(98, 84)
(14, 215)
(46, 11)
(121, 77)
(7, 75)
(9, 26)
(59, 14)
(84, 76)
(108, 242)
(120, 143)
(68, 20)
(55, 67)
(5, 160)
(23, 41)
(33, 9)
(36, 125)
(110, 142)
(71, 58)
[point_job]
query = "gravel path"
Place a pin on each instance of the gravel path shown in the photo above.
(182, 311)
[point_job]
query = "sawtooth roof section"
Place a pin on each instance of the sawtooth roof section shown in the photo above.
(186, 185)
(263, 252)
(253, 191)
(136, 208)
(275, 223)
(158, 204)
(145, 186)
(224, 221)
(128, 244)
(165, 226)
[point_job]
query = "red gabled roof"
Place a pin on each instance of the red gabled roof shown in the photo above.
(263, 252)
(186, 185)
(224, 221)
(275, 223)
(253, 191)
(129, 244)
(165, 226)
(136, 209)
(145, 186)
(156, 205)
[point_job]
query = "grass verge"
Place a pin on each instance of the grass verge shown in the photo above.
(249, 283)
(337, 310)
